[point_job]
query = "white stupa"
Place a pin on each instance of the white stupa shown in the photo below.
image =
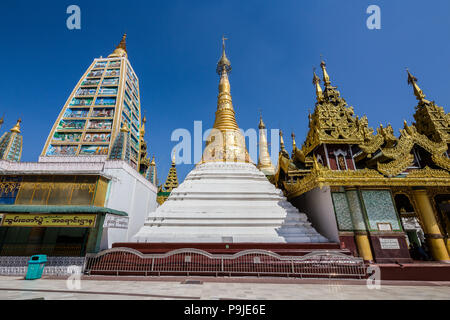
(226, 198)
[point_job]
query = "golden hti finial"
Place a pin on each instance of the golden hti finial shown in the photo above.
(173, 158)
(2, 120)
(153, 163)
(261, 124)
(16, 128)
(316, 83)
(281, 140)
(417, 91)
(294, 146)
(224, 65)
(326, 77)
(121, 49)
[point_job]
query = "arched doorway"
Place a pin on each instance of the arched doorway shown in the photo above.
(411, 225)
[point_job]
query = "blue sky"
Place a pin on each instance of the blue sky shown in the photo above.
(174, 46)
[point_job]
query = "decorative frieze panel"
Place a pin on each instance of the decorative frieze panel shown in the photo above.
(380, 209)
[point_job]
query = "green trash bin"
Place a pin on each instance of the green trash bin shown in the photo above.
(36, 266)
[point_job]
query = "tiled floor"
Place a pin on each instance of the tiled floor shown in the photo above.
(56, 289)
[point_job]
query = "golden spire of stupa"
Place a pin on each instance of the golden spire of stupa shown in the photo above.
(264, 162)
(229, 143)
(121, 49)
(16, 128)
(316, 82)
(225, 116)
(417, 91)
(326, 77)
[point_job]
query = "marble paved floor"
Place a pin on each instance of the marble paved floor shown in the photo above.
(56, 289)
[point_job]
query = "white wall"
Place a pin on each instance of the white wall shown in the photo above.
(318, 206)
(130, 192)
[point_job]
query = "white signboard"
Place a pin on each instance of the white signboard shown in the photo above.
(118, 222)
(384, 227)
(389, 243)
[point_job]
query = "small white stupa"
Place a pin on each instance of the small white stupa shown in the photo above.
(226, 198)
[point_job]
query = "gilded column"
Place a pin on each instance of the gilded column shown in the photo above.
(361, 237)
(433, 233)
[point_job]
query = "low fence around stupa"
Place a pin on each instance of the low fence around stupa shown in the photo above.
(189, 261)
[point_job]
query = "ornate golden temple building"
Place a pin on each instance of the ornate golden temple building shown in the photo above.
(376, 193)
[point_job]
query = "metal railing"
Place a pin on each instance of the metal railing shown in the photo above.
(56, 266)
(318, 264)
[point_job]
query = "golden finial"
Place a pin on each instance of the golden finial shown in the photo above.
(316, 82)
(261, 123)
(281, 140)
(417, 91)
(16, 128)
(326, 77)
(153, 163)
(293, 141)
(224, 65)
(2, 120)
(173, 158)
(121, 49)
(143, 122)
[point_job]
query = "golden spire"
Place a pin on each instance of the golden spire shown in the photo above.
(282, 141)
(121, 49)
(2, 120)
(264, 162)
(417, 91)
(225, 116)
(230, 145)
(153, 163)
(173, 159)
(16, 128)
(143, 122)
(326, 77)
(316, 82)
(294, 146)
(261, 123)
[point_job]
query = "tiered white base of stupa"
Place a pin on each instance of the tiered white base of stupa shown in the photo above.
(227, 202)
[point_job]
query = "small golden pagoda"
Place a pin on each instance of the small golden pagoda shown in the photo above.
(366, 180)
(264, 161)
(170, 184)
(11, 143)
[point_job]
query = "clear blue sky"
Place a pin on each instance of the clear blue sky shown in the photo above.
(174, 46)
